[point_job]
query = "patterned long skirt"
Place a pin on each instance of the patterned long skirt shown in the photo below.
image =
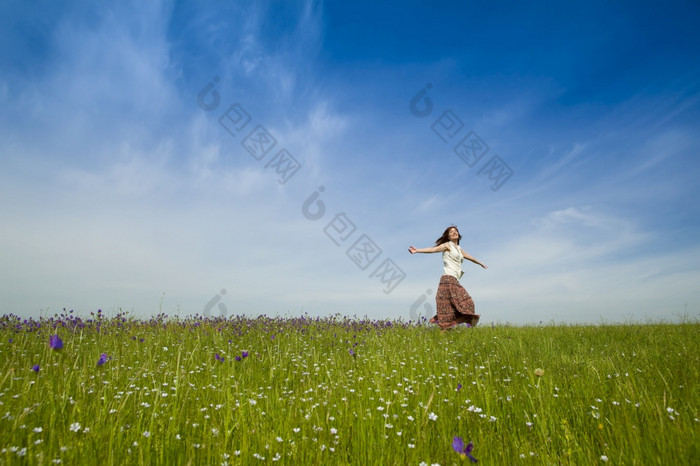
(454, 305)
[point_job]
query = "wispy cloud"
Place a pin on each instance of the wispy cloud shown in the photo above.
(121, 188)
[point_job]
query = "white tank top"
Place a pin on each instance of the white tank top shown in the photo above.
(452, 261)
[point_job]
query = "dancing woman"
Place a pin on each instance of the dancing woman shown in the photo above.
(454, 305)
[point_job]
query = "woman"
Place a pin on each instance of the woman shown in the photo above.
(454, 305)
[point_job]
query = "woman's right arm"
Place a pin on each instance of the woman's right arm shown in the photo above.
(440, 248)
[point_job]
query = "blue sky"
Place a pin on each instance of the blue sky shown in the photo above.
(127, 184)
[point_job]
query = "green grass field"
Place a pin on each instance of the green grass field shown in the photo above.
(345, 391)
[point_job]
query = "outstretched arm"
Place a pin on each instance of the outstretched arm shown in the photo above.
(471, 258)
(442, 247)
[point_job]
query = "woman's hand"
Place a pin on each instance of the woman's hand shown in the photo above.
(441, 248)
(469, 257)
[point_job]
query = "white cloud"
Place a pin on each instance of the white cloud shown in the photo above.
(577, 264)
(123, 189)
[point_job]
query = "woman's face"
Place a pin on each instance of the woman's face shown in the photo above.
(453, 234)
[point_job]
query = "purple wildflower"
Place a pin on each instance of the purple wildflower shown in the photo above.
(459, 386)
(352, 353)
(55, 342)
(103, 359)
(244, 354)
(35, 367)
(238, 358)
(219, 357)
(463, 450)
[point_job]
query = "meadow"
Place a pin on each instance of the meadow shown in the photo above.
(340, 390)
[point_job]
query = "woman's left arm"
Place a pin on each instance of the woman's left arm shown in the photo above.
(472, 259)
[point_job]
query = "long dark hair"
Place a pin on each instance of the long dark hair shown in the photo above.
(445, 236)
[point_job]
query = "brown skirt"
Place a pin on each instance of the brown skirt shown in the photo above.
(454, 305)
